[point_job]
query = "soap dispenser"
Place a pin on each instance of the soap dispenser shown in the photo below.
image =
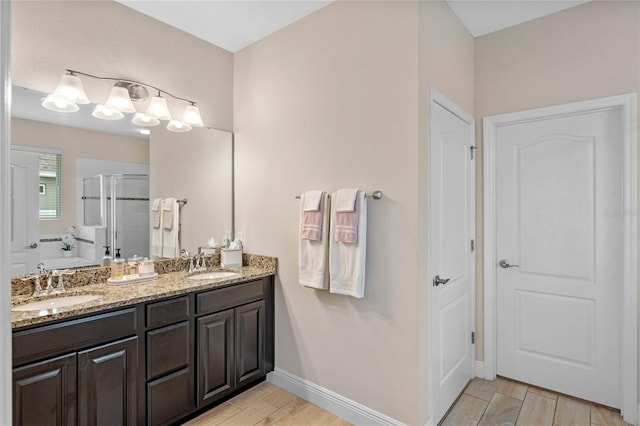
(117, 267)
(106, 259)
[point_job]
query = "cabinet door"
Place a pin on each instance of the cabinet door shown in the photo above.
(250, 321)
(107, 384)
(44, 393)
(216, 364)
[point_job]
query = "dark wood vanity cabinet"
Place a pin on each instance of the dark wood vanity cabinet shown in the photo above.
(155, 363)
(232, 340)
(76, 373)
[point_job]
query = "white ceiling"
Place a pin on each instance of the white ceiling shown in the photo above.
(230, 24)
(235, 24)
(483, 17)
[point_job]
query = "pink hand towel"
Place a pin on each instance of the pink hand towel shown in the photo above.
(311, 228)
(156, 209)
(347, 225)
(167, 216)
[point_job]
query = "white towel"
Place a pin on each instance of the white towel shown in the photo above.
(170, 243)
(347, 262)
(312, 254)
(345, 200)
(156, 231)
(311, 201)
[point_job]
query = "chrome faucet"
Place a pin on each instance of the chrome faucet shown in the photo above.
(37, 287)
(60, 287)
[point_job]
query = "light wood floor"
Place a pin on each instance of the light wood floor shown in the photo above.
(266, 404)
(504, 402)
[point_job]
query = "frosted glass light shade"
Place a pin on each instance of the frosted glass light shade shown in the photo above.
(119, 100)
(104, 113)
(144, 120)
(70, 87)
(59, 103)
(158, 108)
(192, 116)
(178, 126)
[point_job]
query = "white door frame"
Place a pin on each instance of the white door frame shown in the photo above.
(629, 361)
(5, 192)
(436, 97)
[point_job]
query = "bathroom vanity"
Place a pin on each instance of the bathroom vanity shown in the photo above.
(147, 353)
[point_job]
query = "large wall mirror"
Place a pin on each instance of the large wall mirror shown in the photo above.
(96, 179)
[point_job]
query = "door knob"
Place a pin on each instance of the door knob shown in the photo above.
(32, 245)
(437, 280)
(505, 264)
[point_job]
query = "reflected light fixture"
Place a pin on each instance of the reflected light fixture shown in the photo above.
(69, 93)
(178, 126)
(103, 112)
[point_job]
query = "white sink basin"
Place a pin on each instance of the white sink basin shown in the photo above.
(56, 302)
(214, 275)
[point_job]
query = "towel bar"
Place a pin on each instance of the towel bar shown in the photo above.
(376, 195)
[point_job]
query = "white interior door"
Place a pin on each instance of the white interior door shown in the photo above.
(451, 228)
(559, 218)
(25, 250)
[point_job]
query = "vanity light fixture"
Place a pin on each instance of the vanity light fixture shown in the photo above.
(70, 92)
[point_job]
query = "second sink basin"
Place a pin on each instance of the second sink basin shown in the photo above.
(55, 302)
(214, 275)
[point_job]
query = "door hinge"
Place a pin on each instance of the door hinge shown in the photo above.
(473, 245)
(472, 148)
(473, 337)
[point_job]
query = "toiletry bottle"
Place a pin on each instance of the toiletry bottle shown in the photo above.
(106, 259)
(133, 264)
(117, 267)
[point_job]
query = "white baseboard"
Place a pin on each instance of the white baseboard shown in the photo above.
(480, 369)
(345, 408)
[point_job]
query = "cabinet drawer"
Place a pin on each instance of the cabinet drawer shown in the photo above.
(228, 297)
(167, 349)
(167, 312)
(170, 398)
(54, 339)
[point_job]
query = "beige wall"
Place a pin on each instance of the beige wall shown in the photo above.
(75, 143)
(585, 52)
(326, 103)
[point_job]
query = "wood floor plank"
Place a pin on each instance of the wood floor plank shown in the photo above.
(572, 412)
(536, 411)
(602, 416)
(483, 389)
(215, 416)
(502, 410)
(251, 415)
(512, 389)
(467, 411)
(247, 398)
(543, 392)
(280, 398)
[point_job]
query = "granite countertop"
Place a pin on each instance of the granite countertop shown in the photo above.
(117, 296)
